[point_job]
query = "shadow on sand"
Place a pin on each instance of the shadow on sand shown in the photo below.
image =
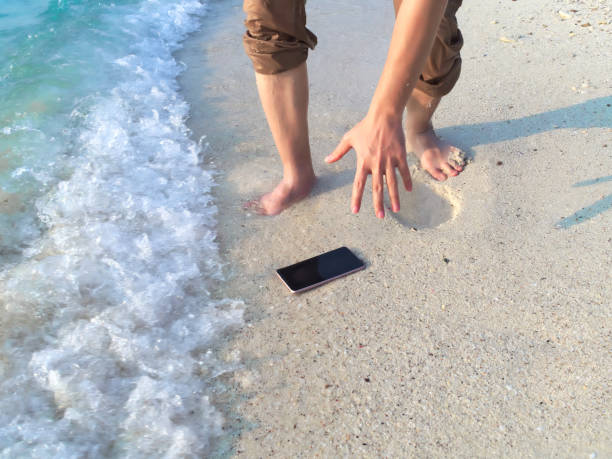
(594, 113)
(591, 211)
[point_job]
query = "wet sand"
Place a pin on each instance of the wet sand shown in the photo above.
(481, 325)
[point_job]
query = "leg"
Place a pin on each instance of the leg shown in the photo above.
(277, 41)
(437, 79)
(284, 97)
(437, 157)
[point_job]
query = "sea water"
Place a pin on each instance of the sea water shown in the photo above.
(107, 236)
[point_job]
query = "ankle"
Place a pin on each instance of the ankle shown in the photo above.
(420, 109)
(299, 178)
(419, 128)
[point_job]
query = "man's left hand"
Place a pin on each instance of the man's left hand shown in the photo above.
(379, 143)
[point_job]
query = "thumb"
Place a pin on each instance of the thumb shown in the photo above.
(342, 149)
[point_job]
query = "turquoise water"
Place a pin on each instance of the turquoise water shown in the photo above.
(107, 236)
(55, 54)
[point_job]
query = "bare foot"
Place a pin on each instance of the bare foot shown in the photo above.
(283, 196)
(437, 157)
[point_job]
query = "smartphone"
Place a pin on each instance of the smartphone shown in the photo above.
(319, 270)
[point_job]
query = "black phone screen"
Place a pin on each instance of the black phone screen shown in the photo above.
(320, 269)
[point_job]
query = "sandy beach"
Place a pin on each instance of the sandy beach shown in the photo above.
(481, 326)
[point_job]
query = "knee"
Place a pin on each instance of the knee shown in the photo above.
(276, 37)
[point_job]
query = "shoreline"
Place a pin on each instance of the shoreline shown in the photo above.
(105, 238)
(507, 340)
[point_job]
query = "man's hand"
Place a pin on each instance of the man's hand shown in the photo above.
(380, 146)
(379, 139)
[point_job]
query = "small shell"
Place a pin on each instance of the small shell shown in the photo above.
(564, 15)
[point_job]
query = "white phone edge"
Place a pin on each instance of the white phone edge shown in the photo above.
(310, 287)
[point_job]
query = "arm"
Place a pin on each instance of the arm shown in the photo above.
(378, 139)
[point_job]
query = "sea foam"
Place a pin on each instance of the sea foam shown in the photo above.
(108, 325)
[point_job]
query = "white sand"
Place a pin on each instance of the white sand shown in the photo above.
(504, 350)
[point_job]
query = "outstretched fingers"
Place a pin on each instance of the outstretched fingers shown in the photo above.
(361, 176)
(342, 149)
(392, 186)
(377, 193)
(405, 173)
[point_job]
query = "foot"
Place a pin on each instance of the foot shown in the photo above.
(439, 158)
(283, 196)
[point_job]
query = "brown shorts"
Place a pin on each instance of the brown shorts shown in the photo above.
(277, 40)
